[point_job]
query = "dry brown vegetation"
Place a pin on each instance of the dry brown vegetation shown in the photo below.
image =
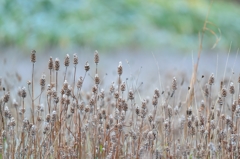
(55, 118)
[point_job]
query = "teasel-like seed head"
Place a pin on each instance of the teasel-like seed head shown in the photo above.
(23, 92)
(223, 117)
(116, 95)
(6, 97)
(57, 64)
(97, 80)
(33, 56)
(155, 100)
(33, 130)
(72, 109)
(65, 85)
(80, 82)
(137, 110)
(123, 86)
(67, 60)
(143, 113)
(211, 79)
(234, 105)
(150, 118)
(75, 59)
(13, 123)
(112, 88)
(87, 109)
(144, 104)
(206, 91)
(96, 57)
(156, 92)
(94, 89)
(87, 66)
(54, 116)
(130, 94)
(43, 81)
(120, 69)
(174, 84)
(48, 118)
(189, 111)
(169, 111)
(224, 92)
(231, 88)
(50, 63)
(220, 101)
(202, 106)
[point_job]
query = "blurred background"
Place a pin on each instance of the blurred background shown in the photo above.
(109, 26)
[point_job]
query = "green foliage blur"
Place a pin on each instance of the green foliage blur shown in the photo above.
(110, 24)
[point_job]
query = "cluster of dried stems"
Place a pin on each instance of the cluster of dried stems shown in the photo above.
(66, 122)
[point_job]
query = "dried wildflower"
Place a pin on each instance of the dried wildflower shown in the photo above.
(174, 84)
(6, 97)
(43, 81)
(130, 94)
(23, 92)
(75, 59)
(112, 88)
(211, 79)
(220, 101)
(155, 100)
(33, 56)
(120, 70)
(123, 86)
(67, 60)
(57, 64)
(97, 80)
(231, 88)
(87, 67)
(224, 92)
(50, 63)
(80, 82)
(156, 92)
(96, 57)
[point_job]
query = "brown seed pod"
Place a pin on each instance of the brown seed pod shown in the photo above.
(75, 59)
(23, 92)
(67, 60)
(43, 81)
(231, 88)
(97, 80)
(33, 56)
(80, 82)
(50, 63)
(87, 67)
(96, 57)
(211, 79)
(120, 69)
(130, 95)
(174, 84)
(224, 92)
(123, 86)
(57, 64)
(206, 91)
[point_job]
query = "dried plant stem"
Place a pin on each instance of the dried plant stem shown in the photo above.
(33, 93)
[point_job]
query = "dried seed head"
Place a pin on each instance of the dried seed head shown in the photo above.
(174, 84)
(234, 105)
(23, 92)
(123, 86)
(150, 118)
(33, 56)
(220, 101)
(75, 59)
(130, 94)
(80, 82)
(97, 80)
(211, 80)
(231, 88)
(96, 57)
(137, 110)
(87, 67)
(50, 63)
(120, 70)
(43, 81)
(6, 97)
(116, 95)
(65, 85)
(33, 130)
(112, 88)
(156, 92)
(67, 61)
(224, 92)
(155, 100)
(57, 64)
